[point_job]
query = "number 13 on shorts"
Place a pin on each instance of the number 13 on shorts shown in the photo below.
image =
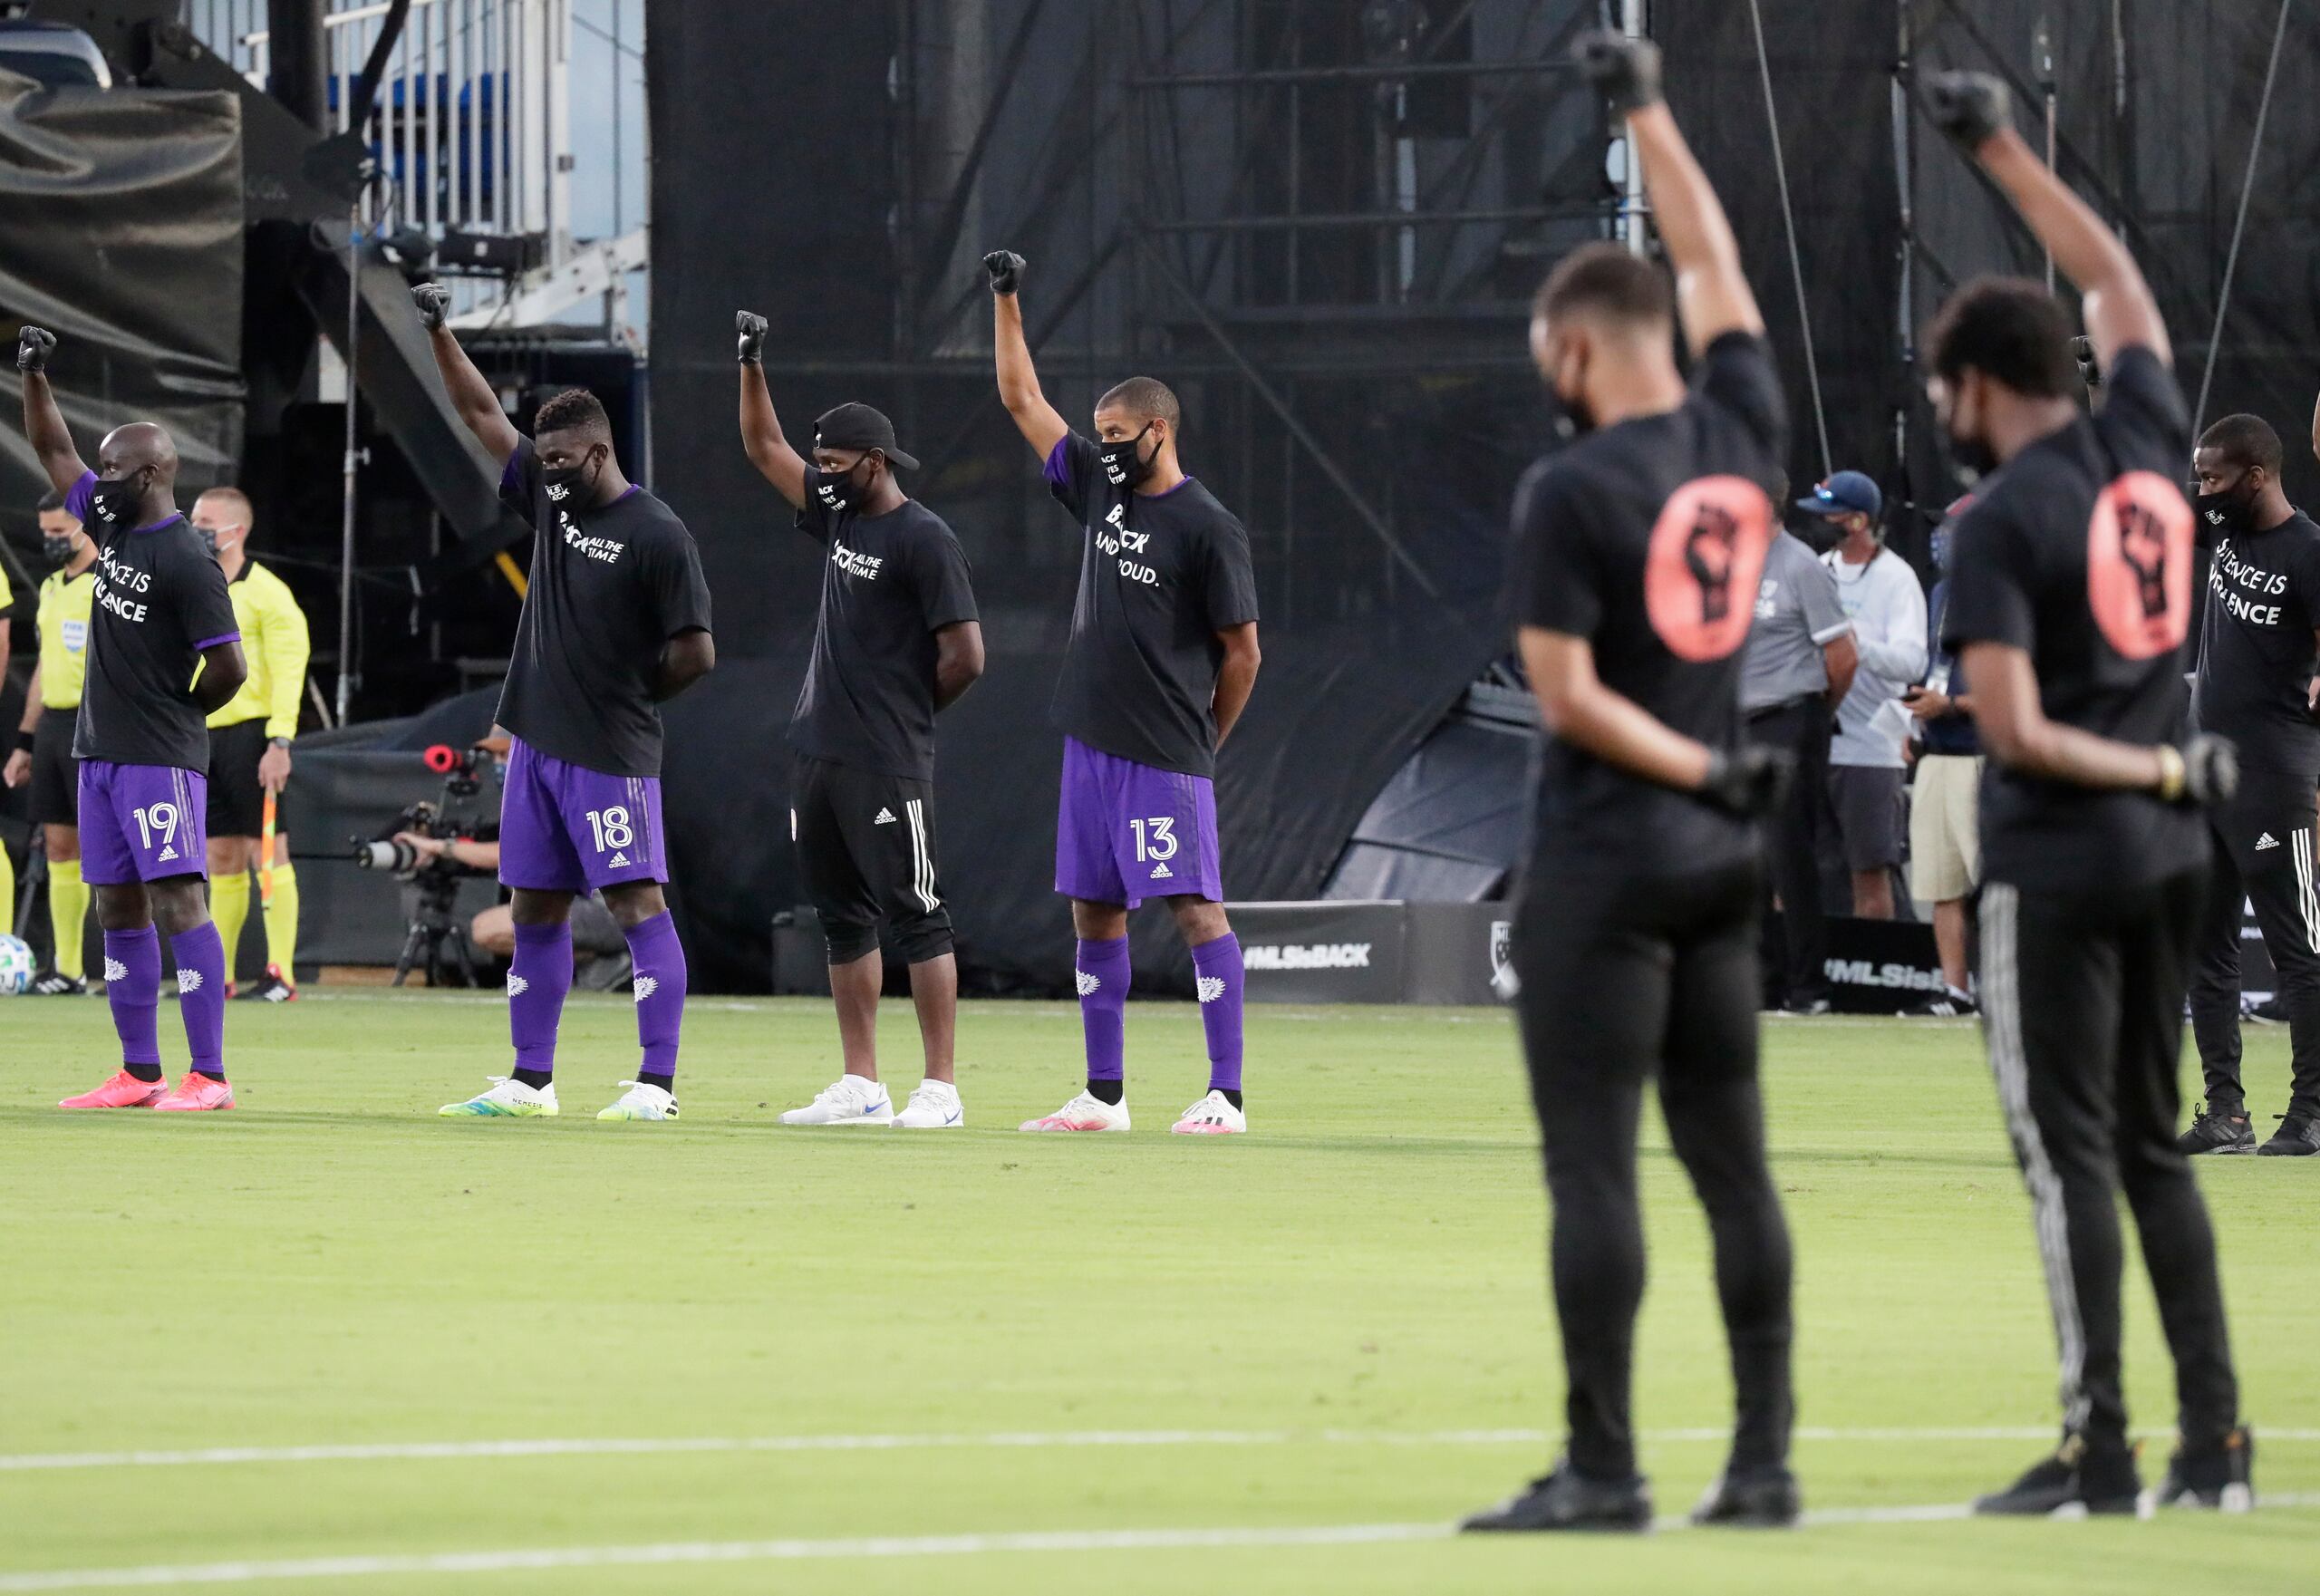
(1155, 838)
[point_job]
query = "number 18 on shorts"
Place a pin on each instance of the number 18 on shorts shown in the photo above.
(564, 828)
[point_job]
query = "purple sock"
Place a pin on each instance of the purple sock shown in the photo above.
(200, 955)
(538, 978)
(1217, 967)
(660, 960)
(1103, 972)
(133, 988)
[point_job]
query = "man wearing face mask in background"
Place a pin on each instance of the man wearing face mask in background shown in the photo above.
(1161, 659)
(898, 640)
(2255, 685)
(1945, 804)
(615, 621)
(42, 754)
(162, 652)
(250, 746)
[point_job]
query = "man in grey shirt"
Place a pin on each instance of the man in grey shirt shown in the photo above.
(1799, 663)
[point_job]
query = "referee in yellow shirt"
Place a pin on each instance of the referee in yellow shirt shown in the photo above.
(42, 754)
(249, 745)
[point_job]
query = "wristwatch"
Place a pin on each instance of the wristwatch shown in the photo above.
(277, 742)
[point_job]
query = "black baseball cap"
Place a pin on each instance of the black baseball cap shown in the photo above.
(857, 426)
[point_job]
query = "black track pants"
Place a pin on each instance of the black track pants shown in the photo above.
(2082, 1010)
(2263, 857)
(1795, 947)
(1625, 979)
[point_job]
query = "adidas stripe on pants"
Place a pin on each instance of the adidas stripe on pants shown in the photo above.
(2263, 857)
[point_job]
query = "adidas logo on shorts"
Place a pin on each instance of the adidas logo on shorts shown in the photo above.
(2266, 841)
(1086, 982)
(1162, 873)
(619, 862)
(167, 853)
(885, 817)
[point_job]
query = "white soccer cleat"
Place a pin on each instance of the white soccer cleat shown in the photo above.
(1214, 1114)
(641, 1101)
(507, 1099)
(1085, 1112)
(935, 1106)
(847, 1100)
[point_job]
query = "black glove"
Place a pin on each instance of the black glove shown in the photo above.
(433, 300)
(2210, 771)
(750, 328)
(1625, 71)
(34, 346)
(1968, 106)
(1748, 781)
(1006, 269)
(2090, 370)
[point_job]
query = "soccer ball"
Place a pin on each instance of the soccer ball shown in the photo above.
(15, 967)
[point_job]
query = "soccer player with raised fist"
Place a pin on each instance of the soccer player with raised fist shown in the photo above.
(1637, 553)
(898, 640)
(614, 623)
(2070, 599)
(1160, 662)
(160, 619)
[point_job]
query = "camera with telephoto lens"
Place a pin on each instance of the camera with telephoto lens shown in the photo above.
(464, 771)
(434, 940)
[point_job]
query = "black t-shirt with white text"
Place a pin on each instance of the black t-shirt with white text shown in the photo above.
(609, 588)
(2256, 646)
(159, 600)
(2079, 553)
(1648, 539)
(891, 581)
(1161, 574)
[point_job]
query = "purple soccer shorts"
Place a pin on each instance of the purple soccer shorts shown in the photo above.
(1126, 832)
(564, 828)
(142, 823)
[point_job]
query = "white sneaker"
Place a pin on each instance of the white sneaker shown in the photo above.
(505, 1099)
(935, 1106)
(1084, 1112)
(643, 1102)
(847, 1100)
(1214, 1114)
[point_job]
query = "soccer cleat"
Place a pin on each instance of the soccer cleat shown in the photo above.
(507, 1099)
(641, 1101)
(2077, 1481)
(847, 1100)
(1754, 1498)
(1085, 1112)
(2218, 1130)
(1568, 1500)
(935, 1106)
(1214, 1114)
(2222, 1480)
(274, 989)
(54, 984)
(2298, 1137)
(1947, 1005)
(124, 1090)
(197, 1094)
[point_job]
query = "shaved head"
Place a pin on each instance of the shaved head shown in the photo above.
(134, 447)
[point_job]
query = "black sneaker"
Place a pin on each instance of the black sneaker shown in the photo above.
(1568, 1500)
(2222, 1480)
(2219, 1129)
(1807, 1007)
(53, 984)
(2075, 1482)
(1943, 1006)
(2298, 1137)
(1760, 1498)
(272, 990)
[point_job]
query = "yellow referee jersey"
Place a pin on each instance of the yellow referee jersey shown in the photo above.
(63, 622)
(274, 642)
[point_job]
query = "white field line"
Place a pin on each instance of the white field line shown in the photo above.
(691, 1551)
(416, 1451)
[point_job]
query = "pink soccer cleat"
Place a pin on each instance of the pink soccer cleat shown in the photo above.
(1085, 1112)
(197, 1093)
(1214, 1114)
(124, 1090)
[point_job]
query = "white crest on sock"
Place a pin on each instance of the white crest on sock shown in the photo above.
(645, 987)
(1210, 987)
(1088, 982)
(517, 986)
(188, 980)
(115, 970)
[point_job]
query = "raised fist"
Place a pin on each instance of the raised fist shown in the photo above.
(1625, 71)
(34, 346)
(749, 330)
(1006, 269)
(1968, 106)
(433, 300)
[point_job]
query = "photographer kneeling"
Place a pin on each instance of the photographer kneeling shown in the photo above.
(602, 952)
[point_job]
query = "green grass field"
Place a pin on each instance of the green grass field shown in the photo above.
(989, 1363)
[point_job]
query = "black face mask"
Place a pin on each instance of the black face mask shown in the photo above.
(1973, 457)
(114, 500)
(1124, 466)
(564, 482)
(208, 535)
(836, 490)
(2231, 511)
(59, 550)
(1820, 534)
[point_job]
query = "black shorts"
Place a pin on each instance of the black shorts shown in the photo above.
(236, 801)
(56, 778)
(865, 853)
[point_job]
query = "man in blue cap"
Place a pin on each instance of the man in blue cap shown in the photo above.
(1882, 598)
